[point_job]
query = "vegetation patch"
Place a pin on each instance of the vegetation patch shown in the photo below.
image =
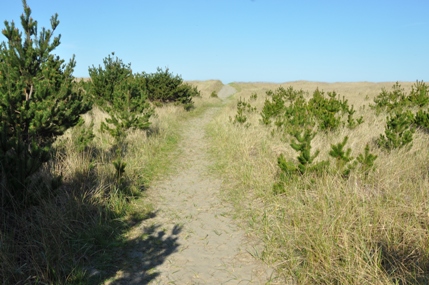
(337, 193)
(76, 157)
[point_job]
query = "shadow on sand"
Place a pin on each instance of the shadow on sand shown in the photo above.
(135, 260)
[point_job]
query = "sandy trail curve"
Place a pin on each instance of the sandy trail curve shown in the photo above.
(191, 239)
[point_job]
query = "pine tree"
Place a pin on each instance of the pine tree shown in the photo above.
(366, 160)
(37, 104)
(399, 131)
(123, 96)
(342, 157)
(164, 87)
(302, 144)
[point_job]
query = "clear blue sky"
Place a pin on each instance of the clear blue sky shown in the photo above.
(244, 40)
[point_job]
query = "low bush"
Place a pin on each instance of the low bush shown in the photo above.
(398, 100)
(124, 97)
(163, 86)
(291, 111)
(362, 218)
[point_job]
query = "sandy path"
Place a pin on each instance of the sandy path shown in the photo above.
(191, 239)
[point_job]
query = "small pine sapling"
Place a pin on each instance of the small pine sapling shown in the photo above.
(125, 100)
(342, 157)
(399, 131)
(390, 100)
(290, 171)
(302, 144)
(287, 173)
(164, 87)
(351, 122)
(326, 110)
(366, 160)
(280, 99)
(272, 108)
(243, 107)
(419, 94)
(82, 136)
(421, 120)
(296, 116)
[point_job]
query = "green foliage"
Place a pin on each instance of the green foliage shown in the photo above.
(296, 117)
(342, 157)
(397, 100)
(421, 120)
(240, 117)
(289, 170)
(123, 96)
(351, 122)
(253, 96)
(119, 165)
(419, 94)
(302, 144)
(243, 107)
(277, 105)
(105, 78)
(82, 136)
(37, 104)
(129, 109)
(399, 131)
(214, 94)
(390, 100)
(366, 160)
(345, 163)
(163, 86)
(289, 110)
(325, 110)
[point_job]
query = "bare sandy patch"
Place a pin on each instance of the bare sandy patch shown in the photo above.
(191, 238)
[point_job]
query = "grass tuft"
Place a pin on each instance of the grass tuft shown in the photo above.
(366, 228)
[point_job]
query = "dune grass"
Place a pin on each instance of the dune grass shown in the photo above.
(77, 235)
(325, 229)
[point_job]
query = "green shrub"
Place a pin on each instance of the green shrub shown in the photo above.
(243, 107)
(302, 144)
(397, 100)
(390, 100)
(399, 131)
(37, 104)
(291, 171)
(352, 122)
(123, 96)
(419, 94)
(163, 86)
(366, 160)
(277, 105)
(82, 136)
(289, 110)
(343, 158)
(421, 120)
(328, 111)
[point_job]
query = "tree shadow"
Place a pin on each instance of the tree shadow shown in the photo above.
(404, 264)
(139, 257)
(78, 233)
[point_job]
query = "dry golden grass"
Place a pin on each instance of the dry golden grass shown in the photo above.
(84, 224)
(322, 230)
(207, 87)
(327, 229)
